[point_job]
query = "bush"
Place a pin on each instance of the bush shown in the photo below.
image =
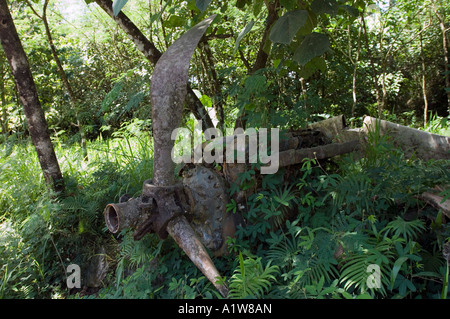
(316, 231)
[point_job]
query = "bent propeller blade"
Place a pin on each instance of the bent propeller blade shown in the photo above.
(168, 93)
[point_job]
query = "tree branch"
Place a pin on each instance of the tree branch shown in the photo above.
(262, 56)
(152, 54)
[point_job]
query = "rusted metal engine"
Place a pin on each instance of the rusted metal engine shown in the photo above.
(201, 197)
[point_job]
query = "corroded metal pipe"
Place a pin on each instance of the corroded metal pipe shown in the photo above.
(182, 232)
(123, 215)
(163, 210)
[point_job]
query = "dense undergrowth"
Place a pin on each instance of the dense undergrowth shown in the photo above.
(319, 230)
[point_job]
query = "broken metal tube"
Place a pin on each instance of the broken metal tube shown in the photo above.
(122, 215)
(183, 234)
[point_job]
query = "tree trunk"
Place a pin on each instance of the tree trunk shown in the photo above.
(262, 56)
(152, 54)
(4, 115)
(62, 74)
(445, 49)
(28, 96)
(372, 65)
(292, 156)
(355, 69)
(436, 201)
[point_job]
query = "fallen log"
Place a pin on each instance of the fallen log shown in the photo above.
(422, 144)
(296, 156)
(437, 202)
(330, 127)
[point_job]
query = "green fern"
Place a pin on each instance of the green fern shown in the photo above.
(284, 250)
(354, 193)
(408, 230)
(282, 201)
(317, 268)
(354, 268)
(305, 257)
(252, 279)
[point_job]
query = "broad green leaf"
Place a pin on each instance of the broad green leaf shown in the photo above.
(346, 295)
(314, 44)
(206, 101)
(320, 284)
(175, 21)
(242, 34)
(397, 265)
(256, 84)
(118, 5)
(286, 27)
(308, 27)
(281, 201)
(311, 290)
(410, 285)
(317, 63)
(324, 6)
(276, 63)
(202, 4)
(427, 274)
(351, 10)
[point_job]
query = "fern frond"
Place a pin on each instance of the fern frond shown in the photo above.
(284, 251)
(251, 278)
(354, 271)
(316, 268)
(409, 230)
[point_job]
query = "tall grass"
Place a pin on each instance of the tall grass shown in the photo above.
(438, 125)
(41, 234)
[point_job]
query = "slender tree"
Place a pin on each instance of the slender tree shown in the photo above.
(262, 55)
(62, 73)
(372, 65)
(37, 125)
(424, 83)
(4, 113)
(355, 66)
(442, 24)
(149, 50)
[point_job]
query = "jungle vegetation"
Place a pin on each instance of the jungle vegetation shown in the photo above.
(312, 231)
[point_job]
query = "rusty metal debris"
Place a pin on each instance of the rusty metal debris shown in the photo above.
(193, 211)
(162, 207)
